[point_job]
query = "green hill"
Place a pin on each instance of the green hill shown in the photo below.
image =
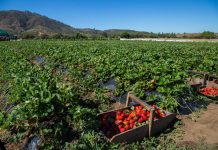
(25, 22)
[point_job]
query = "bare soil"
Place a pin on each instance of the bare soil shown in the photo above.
(205, 126)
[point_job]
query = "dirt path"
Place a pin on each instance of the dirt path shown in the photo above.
(206, 126)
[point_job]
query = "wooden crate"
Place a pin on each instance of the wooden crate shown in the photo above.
(200, 83)
(209, 96)
(146, 130)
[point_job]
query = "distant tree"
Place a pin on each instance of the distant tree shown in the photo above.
(159, 35)
(4, 36)
(139, 35)
(145, 36)
(172, 35)
(208, 35)
(57, 36)
(13, 37)
(153, 35)
(28, 36)
(4, 33)
(44, 36)
(125, 35)
(104, 34)
(80, 36)
(184, 36)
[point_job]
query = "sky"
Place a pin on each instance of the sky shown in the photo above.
(143, 15)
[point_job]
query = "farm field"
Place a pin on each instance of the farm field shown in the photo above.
(53, 90)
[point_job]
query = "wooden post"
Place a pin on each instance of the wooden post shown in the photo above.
(127, 99)
(150, 122)
(205, 79)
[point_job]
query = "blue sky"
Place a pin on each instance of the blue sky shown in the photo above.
(144, 15)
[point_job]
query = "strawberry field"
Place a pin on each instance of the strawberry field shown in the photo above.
(53, 90)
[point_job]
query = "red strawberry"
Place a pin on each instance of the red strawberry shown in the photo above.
(144, 118)
(123, 115)
(120, 126)
(148, 114)
(155, 118)
(117, 122)
(132, 121)
(119, 112)
(143, 112)
(119, 117)
(162, 115)
(122, 130)
(127, 127)
(126, 122)
(140, 107)
(140, 120)
(132, 114)
(131, 125)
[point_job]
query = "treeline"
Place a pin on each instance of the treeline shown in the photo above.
(104, 35)
(203, 35)
(108, 35)
(76, 36)
(147, 35)
(5, 36)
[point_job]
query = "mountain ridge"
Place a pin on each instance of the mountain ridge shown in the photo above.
(16, 22)
(23, 23)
